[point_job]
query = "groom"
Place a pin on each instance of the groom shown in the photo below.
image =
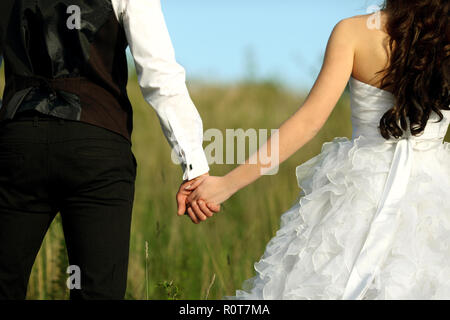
(65, 61)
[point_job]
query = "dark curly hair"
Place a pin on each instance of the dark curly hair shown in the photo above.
(419, 70)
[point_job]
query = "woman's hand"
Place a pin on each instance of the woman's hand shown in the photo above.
(210, 190)
(198, 210)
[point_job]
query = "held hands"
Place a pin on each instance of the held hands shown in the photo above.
(201, 197)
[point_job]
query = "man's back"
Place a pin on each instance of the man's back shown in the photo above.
(67, 59)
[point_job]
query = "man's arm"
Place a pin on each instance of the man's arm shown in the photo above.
(163, 84)
(162, 81)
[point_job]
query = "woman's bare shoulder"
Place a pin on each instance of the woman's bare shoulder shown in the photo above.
(350, 29)
(362, 24)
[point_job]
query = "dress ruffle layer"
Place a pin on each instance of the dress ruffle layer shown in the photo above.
(322, 235)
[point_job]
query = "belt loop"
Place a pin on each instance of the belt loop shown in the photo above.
(35, 120)
(61, 121)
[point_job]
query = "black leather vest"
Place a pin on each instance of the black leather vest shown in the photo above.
(58, 69)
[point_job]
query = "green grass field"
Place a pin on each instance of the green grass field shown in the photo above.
(187, 261)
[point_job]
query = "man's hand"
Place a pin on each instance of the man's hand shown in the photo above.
(198, 210)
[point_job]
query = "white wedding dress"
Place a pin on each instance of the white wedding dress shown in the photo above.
(373, 219)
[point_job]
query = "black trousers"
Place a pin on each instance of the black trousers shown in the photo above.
(84, 172)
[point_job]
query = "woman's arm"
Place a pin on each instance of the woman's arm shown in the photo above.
(301, 127)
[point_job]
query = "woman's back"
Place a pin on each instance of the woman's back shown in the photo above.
(372, 221)
(371, 47)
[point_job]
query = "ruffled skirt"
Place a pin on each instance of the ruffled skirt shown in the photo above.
(322, 235)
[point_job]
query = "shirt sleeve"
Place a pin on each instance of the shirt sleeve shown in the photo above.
(163, 81)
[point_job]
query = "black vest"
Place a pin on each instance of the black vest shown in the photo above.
(61, 70)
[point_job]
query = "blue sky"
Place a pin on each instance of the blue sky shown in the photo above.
(228, 40)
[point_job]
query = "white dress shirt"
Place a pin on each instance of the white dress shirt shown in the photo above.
(163, 81)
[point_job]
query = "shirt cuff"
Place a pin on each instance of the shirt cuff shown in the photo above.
(196, 164)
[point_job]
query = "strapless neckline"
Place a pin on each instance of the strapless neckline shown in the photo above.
(369, 104)
(365, 84)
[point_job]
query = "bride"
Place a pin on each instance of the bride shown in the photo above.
(373, 219)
